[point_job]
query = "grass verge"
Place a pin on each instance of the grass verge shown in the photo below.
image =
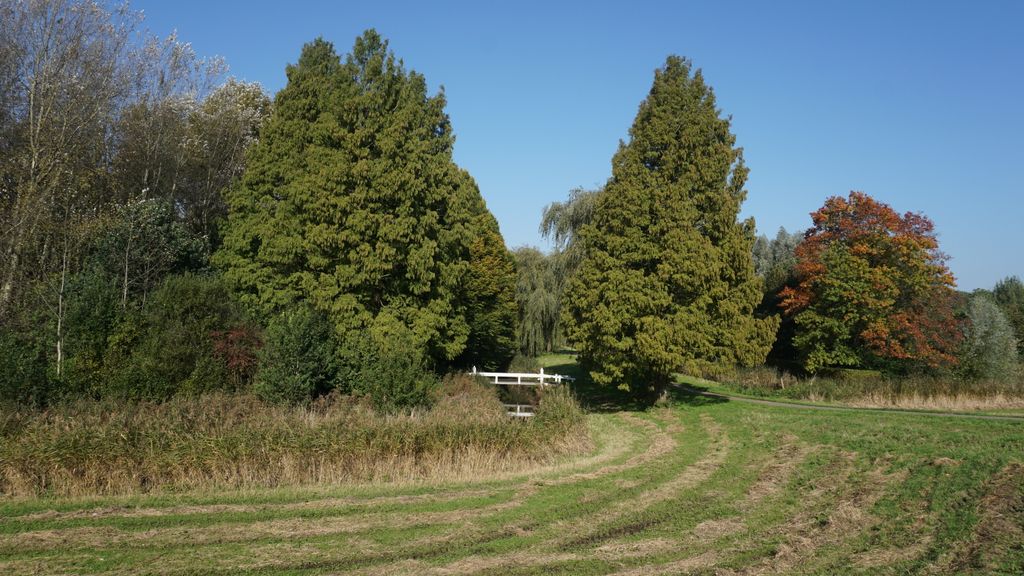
(868, 389)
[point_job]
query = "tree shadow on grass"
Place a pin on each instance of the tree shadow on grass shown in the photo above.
(595, 398)
(604, 399)
(692, 396)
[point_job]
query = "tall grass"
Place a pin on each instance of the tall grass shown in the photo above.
(872, 388)
(224, 440)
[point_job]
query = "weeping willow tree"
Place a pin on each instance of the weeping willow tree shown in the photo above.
(541, 277)
(537, 294)
(561, 223)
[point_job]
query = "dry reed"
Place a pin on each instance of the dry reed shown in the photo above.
(223, 440)
(865, 388)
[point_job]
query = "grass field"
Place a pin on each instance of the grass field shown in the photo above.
(697, 486)
(872, 389)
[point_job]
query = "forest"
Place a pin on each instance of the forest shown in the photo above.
(168, 230)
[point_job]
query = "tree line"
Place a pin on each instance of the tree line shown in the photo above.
(653, 274)
(168, 230)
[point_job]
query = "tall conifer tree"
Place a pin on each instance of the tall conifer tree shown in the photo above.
(352, 203)
(667, 281)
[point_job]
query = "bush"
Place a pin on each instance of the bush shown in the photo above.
(297, 362)
(387, 364)
(1009, 295)
(853, 385)
(167, 347)
(466, 394)
(521, 363)
(93, 311)
(990, 349)
(558, 410)
(23, 376)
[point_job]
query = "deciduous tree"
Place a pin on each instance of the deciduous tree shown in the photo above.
(990, 349)
(775, 263)
(873, 289)
(775, 259)
(538, 294)
(562, 222)
(62, 79)
(1009, 294)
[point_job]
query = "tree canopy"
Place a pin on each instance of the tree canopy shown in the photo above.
(873, 289)
(990, 349)
(351, 202)
(114, 148)
(775, 259)
(1009, 295)
(775, 264)
(666, 282)
(538, 294)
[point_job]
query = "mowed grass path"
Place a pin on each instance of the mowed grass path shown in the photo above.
(699, 486)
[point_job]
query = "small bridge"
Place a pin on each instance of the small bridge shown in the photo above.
(538, 380)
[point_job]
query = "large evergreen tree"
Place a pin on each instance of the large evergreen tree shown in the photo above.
(351, 202)
(667, 282)
(488, 293)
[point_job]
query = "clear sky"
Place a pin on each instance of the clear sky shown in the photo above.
(917, 103)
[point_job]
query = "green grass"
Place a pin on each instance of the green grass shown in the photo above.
(693, 487)
(866, 388)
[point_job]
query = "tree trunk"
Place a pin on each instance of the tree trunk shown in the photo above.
(127, 252)
(8, 285)
(60, 311)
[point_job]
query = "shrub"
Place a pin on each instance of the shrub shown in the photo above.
(387, 364)
(23, 377)
(167, 347)
(1009, 295)
(990, 349)
(236, 349)
(558, 410)
(297, 361)
(466, 394)
(521, 363)
(93, 311)
(856, 385)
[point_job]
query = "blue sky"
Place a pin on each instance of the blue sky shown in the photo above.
(917, 103)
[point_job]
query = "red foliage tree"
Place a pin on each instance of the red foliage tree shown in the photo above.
(236, 349)
(873, 290)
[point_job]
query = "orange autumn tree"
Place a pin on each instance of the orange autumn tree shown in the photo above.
(874, 290)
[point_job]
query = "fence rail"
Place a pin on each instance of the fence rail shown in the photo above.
(523, 378)
(520, 410)
(539, 379)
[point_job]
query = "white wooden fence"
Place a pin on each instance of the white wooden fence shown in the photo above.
(539, 379)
